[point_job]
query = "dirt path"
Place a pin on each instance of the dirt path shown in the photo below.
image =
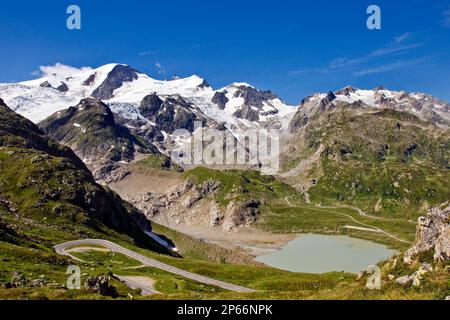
(146, 284)
(367, 227)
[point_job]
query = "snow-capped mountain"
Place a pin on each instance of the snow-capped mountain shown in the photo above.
(425, 107)
(155, 109)
(124, 89)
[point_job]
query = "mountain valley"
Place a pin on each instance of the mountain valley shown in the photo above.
(86, 154)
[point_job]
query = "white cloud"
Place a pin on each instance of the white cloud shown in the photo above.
(390, 66)
(62, 70)
(393, 47)
(148, 53)
(402, 38)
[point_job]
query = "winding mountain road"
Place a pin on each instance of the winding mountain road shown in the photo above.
(63, 249)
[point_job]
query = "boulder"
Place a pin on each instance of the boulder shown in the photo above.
(101, 286)
(404, 281)
(442, 247)
(433, 233)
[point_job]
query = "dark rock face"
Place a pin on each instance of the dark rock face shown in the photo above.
(253, 97)
(89, 80)
(302, 116)
(172, 114)
(62, 87)
(45, 84)
(346, 91)
(204, 85)
(220, 99)
(91, 131)
(298, 121)
(331, 96)
(248, 113)
(118, 75)
(150, 106)
(57, 175)
(101, 286)
(253, 103)
(151, 133)
(327, 102)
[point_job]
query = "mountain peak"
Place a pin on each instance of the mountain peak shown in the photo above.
(422, 106)
(346, 91)
(114, 80)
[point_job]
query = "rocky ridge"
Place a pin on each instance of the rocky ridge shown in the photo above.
(192, 205)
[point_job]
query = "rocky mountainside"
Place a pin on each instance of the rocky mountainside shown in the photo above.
(355, 147)
(225, 201)
(91, 131)
(425, 107)
(152, 108)
(385, 152)
(47, 194)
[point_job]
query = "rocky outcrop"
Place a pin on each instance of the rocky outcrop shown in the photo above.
(241, 213)
(433, 234)
(346, 91)
(309, 107)
(416, 278)
(100, 285)
(172, 113)
(422, 106)
(247, 113)
(115, 79)
(45, 84)
(111, 172)
(254, 102)
(220, 99)
(194, 205)
(91, 131)
(150, 106)
(254, 97)
(90, 80)
(19, 280)
(62, 87)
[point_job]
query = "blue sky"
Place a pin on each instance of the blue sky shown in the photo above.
(293, 47)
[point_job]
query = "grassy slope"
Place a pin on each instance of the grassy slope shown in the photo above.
(26, 239)
(159, 162)
(285, 211)
(386, 163)
(242, 185)
(270, 283)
